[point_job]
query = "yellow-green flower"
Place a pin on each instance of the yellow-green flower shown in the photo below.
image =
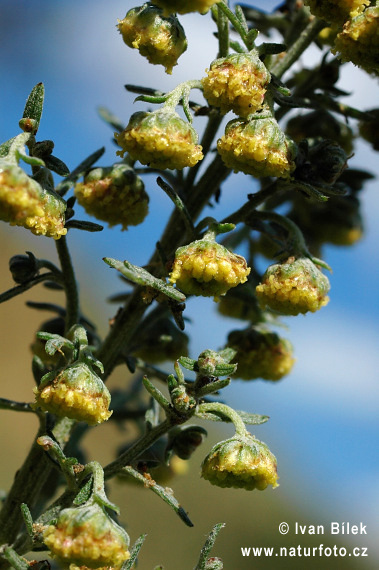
(87, 536)
(258, 147)
(236, 83)
(74, 392)
(161, 139)
(359, 41)
(23, 202)
(184, 6)
(207, 268)
(242, 462)
(293, 287)
(161, 40)
(115, 195)
(261, 354)
(336, 11)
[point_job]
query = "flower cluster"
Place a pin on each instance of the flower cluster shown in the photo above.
(336, 11)
(184, 6)
(87, 536)
(237, 83)
(261, 354)
(115, 195)
(23, 202)
(258, 147)
(242, 462)
(293, 287)
(161, 40)
(207, 268)
(74, 392)
(161, 139)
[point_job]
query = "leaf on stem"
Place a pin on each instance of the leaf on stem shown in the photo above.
(34, 105)
(246, 417)
(140, 276)
(162, 492)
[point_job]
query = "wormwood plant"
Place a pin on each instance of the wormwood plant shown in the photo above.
(306, 197)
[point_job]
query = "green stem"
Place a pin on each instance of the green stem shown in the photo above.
(222, 29)
(298, 47)
(226, 411)
(72, 298)
(139, 447)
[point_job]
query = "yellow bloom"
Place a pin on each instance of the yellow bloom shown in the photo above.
(242, 463)
(161, 40)
(336, 11)
(359, 41)
(261, 354)
(23, 202)
(207, 268)
(296, 286)
(161, 139)
(74, 392)
(87, 536)
(257, 147)
(115, 195)
(236, 83)
(184, 6)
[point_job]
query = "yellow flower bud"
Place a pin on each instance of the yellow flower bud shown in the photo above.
(161, 139)
(23, 202)
(261, 354)
(74, 392)
(184, 6)
(115, 195)
(87, 536)
(161, 40)
(359, 41)
(207, 268)
(242, 462)
(336, 11)
(296, 286)
(258, 147)
(236, 83)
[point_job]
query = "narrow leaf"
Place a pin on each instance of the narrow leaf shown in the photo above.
(140, 276)
(134, 551)
(57, 165)
(162, 492)
(247, 418)
(34, 104)
(79, 171)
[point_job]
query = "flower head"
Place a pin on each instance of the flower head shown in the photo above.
(207, 268)
(76, 392)
(115, 195)
(184, 6)
(161, 40)
(236, 83)
(161, 139)
(24, 202)
(261, 354)
(293, 287)
(358, 41)
(242, 462)
(87, 536)
(336, 11)
(258, 147)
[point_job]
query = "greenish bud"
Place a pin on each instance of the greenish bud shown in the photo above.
(242, 462)
(161, 40)
(23, 267)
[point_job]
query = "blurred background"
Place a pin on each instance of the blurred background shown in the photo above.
(324, 423)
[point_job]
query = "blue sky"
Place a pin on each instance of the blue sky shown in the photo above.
(325, 414)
